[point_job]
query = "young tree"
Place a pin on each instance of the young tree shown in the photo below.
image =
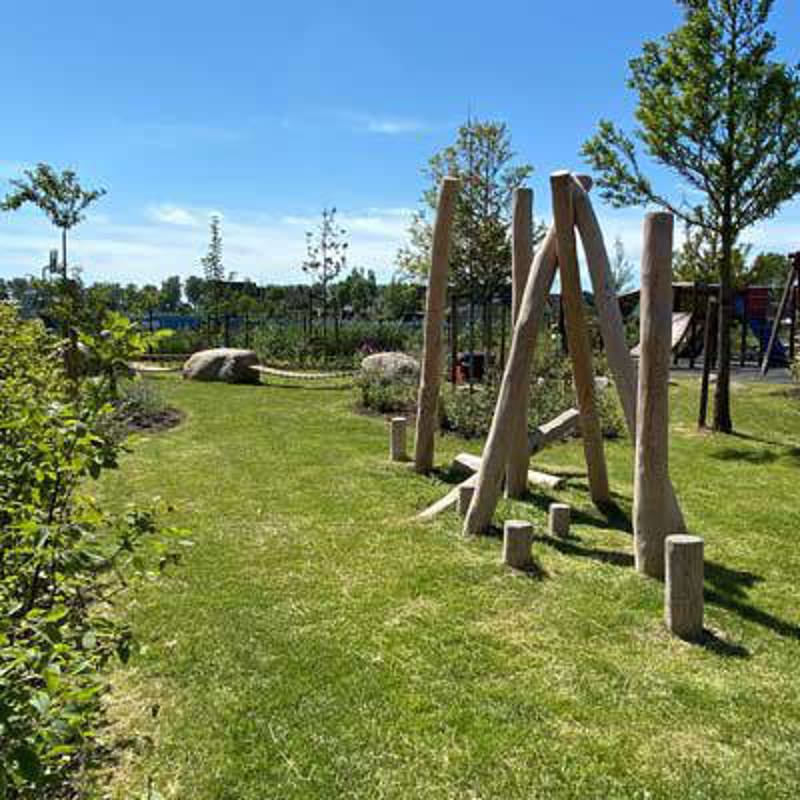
(483, 159)
(214, 271)
(59, 195)
(171, 293)
(715, 109)
(622, 270)
(327, 256)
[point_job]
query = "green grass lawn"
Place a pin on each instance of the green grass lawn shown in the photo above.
(316, 642)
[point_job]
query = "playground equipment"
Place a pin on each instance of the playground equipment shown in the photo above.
(657, 511)
(790, 292)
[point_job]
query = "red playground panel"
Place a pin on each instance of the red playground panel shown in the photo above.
(757, 302)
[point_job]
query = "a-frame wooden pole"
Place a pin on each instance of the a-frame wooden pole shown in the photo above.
(580, 349)
(431, 373)
(522, 253)
(514, 384)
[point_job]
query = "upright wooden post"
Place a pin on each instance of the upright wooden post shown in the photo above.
(653, 519)
(580, 348)
(397, 439)
(517, 539)
(709, 345)
(522, 253)
(430, 377)
(683, 590)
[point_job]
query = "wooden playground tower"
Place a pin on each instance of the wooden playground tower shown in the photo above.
(644, 398)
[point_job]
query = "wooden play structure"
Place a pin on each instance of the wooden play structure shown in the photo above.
(508, 447)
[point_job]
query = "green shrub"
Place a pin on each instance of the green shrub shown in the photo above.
(470, 413)
(62, 560)
(287, 344)
(385, 395)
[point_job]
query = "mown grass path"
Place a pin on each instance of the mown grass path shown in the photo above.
(316, 643)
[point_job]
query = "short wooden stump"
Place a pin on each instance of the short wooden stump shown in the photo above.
(397, 439)
(465, 494)
(683, 589)
(558, 519)
(517, 539)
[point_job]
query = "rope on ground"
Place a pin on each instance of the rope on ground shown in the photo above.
(303, 376)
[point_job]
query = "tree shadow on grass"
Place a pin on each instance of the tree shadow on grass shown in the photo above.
(727, 590)
(612, 516)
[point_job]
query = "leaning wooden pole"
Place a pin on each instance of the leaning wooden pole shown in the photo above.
(653, 517)
(521, 255)
(776, 326)
(580, 348)
(514, 384)
(612, 328)
(430, 377)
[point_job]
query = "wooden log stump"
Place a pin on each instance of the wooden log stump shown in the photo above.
(683, 592)
(397, 439)
(580, 348)
(558, 519)
(517, 539)
(431, 372)
(653, 497)
(521, 255)
(465, 493)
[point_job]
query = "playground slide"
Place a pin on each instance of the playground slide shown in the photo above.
(681, 322)
(762, 329)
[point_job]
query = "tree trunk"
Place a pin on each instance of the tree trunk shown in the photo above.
(64, 253)
(722, 395)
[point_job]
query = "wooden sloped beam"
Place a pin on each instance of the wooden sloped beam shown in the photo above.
(580, 349)
(472, 463)
(431, 372)
(514, 384)
(559, 428)
(449, 501)
(522, 253)
(653, 519)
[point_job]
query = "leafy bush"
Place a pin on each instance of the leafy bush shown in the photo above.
(62, 561)
(469, 413)
(384, 395)
(287, 344)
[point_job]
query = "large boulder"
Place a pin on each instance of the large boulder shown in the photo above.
(391, 366)
(222, 364)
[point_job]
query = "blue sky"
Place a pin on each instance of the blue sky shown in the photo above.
(267, 112)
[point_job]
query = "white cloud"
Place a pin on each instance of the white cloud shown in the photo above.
(174, 215)
(171, 240)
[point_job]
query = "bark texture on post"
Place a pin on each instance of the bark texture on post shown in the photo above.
(522, 254)
(430, 376)
(397, 439)
(653, 509)
(580, 348)
(558, 519)
(683, 592)
(514, 385)
(517, 539)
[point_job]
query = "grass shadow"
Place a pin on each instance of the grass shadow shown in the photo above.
(611, 516)
(571, 547)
